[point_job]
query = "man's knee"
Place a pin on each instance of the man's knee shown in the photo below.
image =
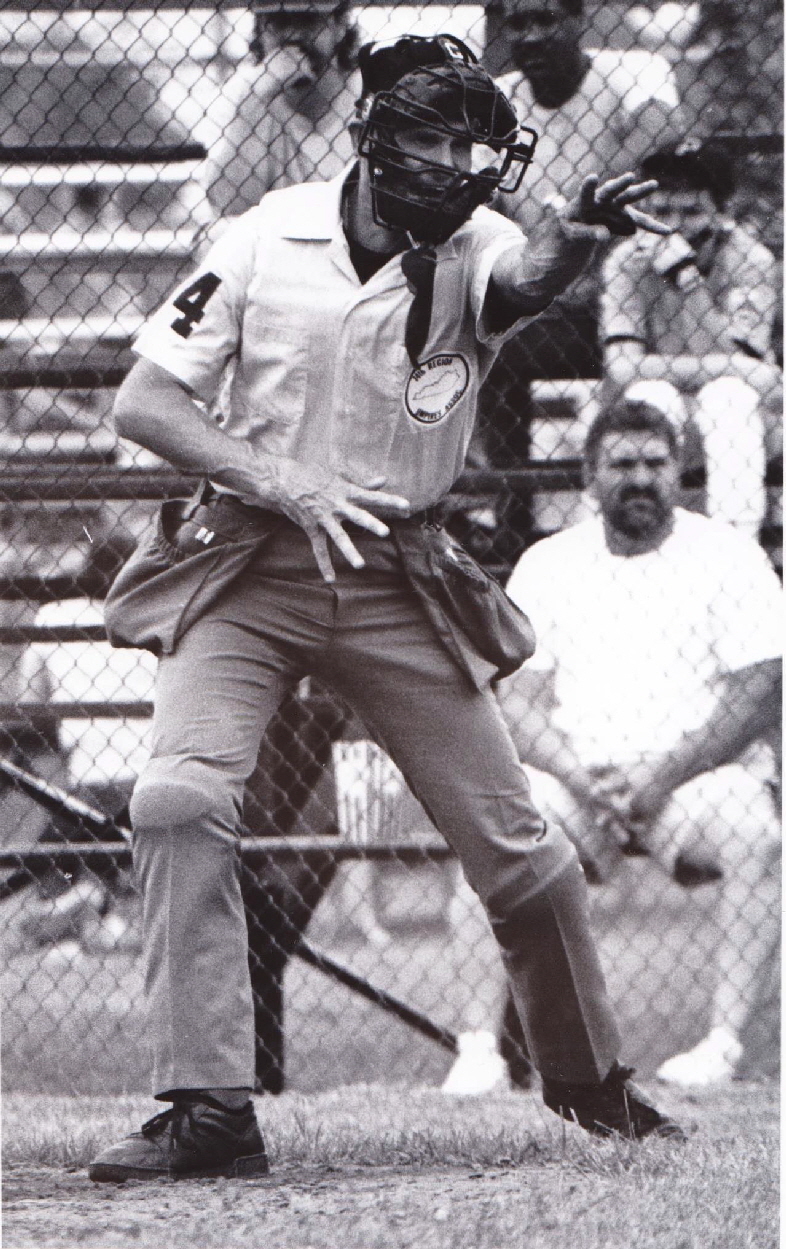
(180, 793)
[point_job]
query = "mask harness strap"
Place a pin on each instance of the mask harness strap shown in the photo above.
(419, 266)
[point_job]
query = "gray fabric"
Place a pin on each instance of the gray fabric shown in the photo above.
(367, 637)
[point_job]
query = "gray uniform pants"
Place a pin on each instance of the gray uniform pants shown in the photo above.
(367, 637)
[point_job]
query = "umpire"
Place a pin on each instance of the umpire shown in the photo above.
(357, 319)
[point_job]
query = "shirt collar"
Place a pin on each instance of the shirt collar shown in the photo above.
(317, 217)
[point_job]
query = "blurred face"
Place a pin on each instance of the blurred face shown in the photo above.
(691, 213)
(541, 35)
(636, 482)
(301, 46)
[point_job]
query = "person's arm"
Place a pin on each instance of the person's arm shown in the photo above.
(748, 708)
(626, 361)
(524, 280)
(156, 410)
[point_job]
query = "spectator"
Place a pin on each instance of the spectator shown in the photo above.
(641, 714)
(592, 108)
(658, 660)
(283, 114)
(695, 310)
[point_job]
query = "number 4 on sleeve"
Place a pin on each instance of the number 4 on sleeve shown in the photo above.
(192, 303)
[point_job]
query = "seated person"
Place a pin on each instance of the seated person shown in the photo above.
(641, 715)
(283, 114)
(695, 310)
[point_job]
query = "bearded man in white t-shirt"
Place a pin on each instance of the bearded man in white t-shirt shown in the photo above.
(648, 710)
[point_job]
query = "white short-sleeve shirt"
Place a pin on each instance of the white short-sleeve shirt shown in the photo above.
(638, 644)
(319, 367)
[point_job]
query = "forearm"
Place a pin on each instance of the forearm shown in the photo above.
(529, 278)
(688, 372)
(749, 709)
(155, 410)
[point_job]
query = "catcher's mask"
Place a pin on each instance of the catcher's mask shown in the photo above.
(435, 87)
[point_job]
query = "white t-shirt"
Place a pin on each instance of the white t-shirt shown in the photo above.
(638, 643)
(321, 372)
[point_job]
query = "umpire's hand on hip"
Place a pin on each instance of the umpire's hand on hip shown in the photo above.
(320, 501)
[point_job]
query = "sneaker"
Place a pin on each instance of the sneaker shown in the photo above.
(614, 1108)
(196, 1138)
(479, 1068)
(713, 1061)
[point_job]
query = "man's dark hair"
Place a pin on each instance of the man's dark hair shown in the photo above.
(574, 8)
(629, 416)
(693, 167)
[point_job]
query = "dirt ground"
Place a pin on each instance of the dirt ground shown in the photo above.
(498, 1173)
(351, 1206)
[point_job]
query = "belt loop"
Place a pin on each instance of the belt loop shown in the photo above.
(432, 515)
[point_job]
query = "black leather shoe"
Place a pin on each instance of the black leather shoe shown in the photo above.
(196, 1138)
(614, 1108)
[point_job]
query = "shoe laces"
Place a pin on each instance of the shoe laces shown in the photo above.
(182, 1108)
(160, 1122)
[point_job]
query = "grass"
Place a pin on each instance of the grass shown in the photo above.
(78, 1026)
(385, 1167)
(366, 1153)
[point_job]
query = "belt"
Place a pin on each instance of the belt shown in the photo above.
(229, 516)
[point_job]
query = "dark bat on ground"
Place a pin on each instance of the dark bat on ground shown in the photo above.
(108, 829)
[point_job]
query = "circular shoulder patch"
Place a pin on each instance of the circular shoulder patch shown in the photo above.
(435, 387)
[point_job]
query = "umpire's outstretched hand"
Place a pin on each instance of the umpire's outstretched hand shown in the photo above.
(319, 501)
(610, 203)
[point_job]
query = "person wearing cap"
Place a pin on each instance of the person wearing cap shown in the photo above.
(686, 322)
(360, 316)
(282, 116)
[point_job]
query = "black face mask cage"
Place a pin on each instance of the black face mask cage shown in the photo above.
(431, 209)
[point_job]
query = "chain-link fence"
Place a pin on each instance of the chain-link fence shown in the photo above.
(127, 135)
